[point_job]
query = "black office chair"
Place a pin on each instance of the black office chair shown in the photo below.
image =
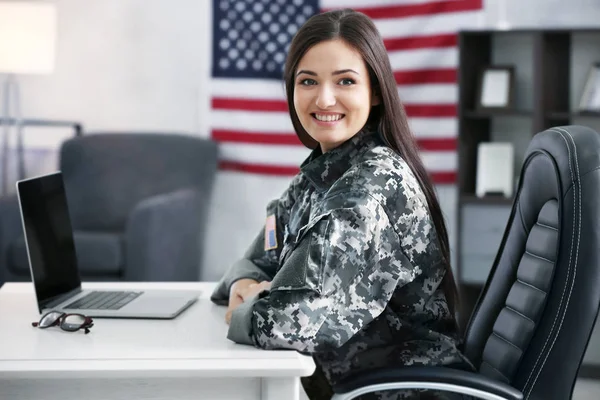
(532, 323)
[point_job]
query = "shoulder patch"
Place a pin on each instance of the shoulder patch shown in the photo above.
(270, 233)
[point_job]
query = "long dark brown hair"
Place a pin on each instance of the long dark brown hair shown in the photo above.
(357, 30)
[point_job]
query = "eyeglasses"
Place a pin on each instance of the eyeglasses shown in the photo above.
(66, 322)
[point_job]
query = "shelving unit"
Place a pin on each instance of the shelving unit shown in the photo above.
(551, 67)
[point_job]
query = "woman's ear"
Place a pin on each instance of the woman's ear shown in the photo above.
(375, 96)
(375, 99)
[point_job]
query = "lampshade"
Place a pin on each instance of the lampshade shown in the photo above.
(27, 37)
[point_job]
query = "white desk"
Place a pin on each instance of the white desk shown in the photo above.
(185, 358)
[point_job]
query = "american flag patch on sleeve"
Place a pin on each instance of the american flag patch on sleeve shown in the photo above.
(270, 233)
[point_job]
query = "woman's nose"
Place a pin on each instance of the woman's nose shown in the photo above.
(326, 97)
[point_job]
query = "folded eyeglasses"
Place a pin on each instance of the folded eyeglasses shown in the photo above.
(66, 322)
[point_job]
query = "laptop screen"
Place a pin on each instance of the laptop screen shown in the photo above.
(49, 236)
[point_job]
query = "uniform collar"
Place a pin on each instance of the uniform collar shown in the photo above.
(322, 170)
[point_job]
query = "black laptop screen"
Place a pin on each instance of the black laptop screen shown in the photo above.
(49, 236)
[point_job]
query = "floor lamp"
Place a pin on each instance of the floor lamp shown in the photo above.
(28, 31)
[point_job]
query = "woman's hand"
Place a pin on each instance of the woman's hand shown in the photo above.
(254, 289)
(241, 291)
(235, 297)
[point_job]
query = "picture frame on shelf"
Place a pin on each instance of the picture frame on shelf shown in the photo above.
(495, 88)
(495, 169)
(590, 97)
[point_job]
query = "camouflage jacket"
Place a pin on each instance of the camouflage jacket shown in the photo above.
(355, 266)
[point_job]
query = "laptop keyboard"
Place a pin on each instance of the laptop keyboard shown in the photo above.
(103, 300)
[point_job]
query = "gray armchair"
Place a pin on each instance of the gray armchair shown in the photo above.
(138, 204)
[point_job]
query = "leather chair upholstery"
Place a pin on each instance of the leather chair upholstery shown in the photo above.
(532, 323)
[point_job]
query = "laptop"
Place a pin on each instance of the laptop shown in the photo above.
(53, 262)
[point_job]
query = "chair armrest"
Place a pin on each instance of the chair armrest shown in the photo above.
(11, 228)
(438, 378)
(163, 237)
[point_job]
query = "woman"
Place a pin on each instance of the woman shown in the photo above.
(352, 265)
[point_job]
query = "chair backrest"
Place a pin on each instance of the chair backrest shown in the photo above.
(534, 318)
(107, 174)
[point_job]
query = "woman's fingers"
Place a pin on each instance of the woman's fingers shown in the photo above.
(234, 301)
(242, 294)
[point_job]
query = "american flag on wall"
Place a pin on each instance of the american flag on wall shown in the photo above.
(249, 116)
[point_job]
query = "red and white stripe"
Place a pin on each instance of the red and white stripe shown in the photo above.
(250, 120)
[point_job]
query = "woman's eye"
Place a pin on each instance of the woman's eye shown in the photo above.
(346, 82)
(307, 82)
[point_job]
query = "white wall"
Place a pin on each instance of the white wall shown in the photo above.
(542, 13)
(144, 64)
(121, 65)
(133, 64)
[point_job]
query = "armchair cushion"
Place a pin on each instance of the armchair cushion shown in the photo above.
(98, 254)
(10, 229)
(17, 257)
(162, 237)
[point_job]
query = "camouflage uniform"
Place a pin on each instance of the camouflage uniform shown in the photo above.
(355, 273)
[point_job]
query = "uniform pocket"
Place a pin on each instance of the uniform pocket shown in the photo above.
(302, 262)
(292, 274)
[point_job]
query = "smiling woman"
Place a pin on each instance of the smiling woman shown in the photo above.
(352, 264)
(333, 95)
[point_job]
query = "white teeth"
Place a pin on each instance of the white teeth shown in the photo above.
(328, 118)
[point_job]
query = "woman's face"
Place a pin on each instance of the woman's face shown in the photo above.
(332, 93)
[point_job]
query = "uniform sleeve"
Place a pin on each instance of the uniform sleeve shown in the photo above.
(261, 260)
(360, 262)
(256, 264)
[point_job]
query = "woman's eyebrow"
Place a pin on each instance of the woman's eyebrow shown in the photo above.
(338, 72)
(343, 71)
(304, 71)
